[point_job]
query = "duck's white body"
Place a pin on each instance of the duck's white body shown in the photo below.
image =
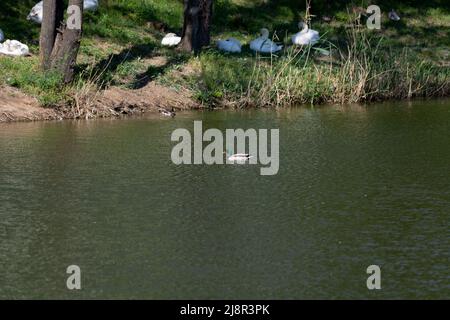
(2, 36)
(239, 157)
(36, 12)
(14, 48)
(306, 36)
(263, 44)
(229, 45)
(171, 40)
(393, 16)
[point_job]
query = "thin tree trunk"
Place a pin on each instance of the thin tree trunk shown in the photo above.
(205, 22)
(53, 14)
(196, 26)
(67, 44)
(188, 28)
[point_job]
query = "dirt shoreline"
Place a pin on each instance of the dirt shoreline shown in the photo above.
(15, 106)
(113, 102)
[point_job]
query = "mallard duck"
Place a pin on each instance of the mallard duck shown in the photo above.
(306, 36)
(35, 14)
(171, 40)
(167, 113)
(263, 44)
(229, 45)
(237, 156)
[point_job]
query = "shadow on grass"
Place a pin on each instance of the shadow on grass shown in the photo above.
(280, 15)
(152, 72)
(105, 70)
(429, 35)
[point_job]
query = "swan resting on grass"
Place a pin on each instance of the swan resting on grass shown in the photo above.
(263, 44)
(14, 48)
(229, 45)
(36, 12)
(170, 40)
(305, 37)
(90, 5)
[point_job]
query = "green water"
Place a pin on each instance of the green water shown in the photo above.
(357, 186)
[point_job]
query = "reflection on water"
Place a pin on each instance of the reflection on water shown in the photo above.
(357, 186)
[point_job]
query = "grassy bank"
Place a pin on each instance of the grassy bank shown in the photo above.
(362, 71)
(404, 59)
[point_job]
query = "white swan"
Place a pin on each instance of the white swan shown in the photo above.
(305, 37)
(393, 15)
(2, 36)
(90, 5)
(264, 44)
(170, 40)
(14, 48)
(35, 14)
(229, 45)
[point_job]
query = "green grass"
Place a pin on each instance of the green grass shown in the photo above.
(412, 56)
(297, 78)
(25, 74)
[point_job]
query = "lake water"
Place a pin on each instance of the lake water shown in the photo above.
(357, 186)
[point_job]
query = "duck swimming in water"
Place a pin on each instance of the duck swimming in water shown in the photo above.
(239, 157)
(167, 113)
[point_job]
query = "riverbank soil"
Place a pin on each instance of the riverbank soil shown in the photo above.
(115, 101)
(150, 98)
(17, 106)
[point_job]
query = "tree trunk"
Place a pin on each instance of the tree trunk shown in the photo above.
(196, 26)
(205, 22)
(67, 43)
(53, 15)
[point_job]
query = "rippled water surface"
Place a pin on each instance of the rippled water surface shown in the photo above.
(357, 186)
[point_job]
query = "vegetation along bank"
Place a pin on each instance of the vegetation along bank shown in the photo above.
(122, 67)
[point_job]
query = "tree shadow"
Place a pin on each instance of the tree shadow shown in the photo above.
(421, 35)
(283, 15)
(275, 15)
(105, 69)
(152, 72)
